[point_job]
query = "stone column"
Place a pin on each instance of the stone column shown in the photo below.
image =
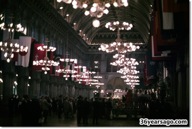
(103, 66)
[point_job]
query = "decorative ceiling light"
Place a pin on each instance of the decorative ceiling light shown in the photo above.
(118, 91)
(133, 83)
(8, 46)
(121, 61)
(67, 1)
(95, 8)
(79, 4)
(11, 27)
(82, 73)
(127, 71)
(117, 56)
(96, 23)
(103, 3)
(46, 62)
(121, 25)
(119, 46)
(69, 69)
(130, 76)
(129, 67)
(106, 3)
(96, 67)
(131, 80)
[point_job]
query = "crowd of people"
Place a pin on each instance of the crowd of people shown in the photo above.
(36, 111)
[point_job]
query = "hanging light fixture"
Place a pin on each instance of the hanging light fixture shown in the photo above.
(96, 67)
(83, 75)
(95, 8)
(69, 69)
(122, 61)
(46, 63)
(102, 3)
(11, 27)
(127, 71)
(85, 3)
(130, 76)
(96, 23)
(121, 25)
(8, 46)
(118, 45)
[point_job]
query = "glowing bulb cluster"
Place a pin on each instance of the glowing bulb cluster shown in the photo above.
(120, 25)
(10, 48)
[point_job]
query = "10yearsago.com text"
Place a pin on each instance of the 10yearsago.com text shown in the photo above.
(161, 122)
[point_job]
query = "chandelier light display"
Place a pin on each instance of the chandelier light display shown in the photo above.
(8, 46)
(91, 3)
(95, 8)
(83, 75)
(121, 25)
(119, 46)
(102, 3)
(97, 76)
(122, 61)
(68, 70)
(134, 76)
(128, 70)
(46, 63)
(11, 27)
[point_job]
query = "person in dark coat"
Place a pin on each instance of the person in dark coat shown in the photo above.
(96, 111)
(79, 109)
(108, 108)
(86, 109)
(60, 106)
(25, 110)
(35, 112)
